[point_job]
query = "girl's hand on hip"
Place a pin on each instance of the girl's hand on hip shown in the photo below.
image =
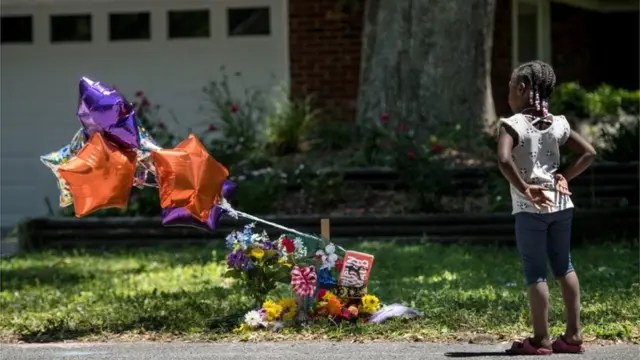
(536, 194)
(562, 186)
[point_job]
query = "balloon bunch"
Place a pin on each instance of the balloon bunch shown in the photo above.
(111, 153)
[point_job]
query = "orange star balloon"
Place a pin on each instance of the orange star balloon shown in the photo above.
(99, 177)
(189, 178)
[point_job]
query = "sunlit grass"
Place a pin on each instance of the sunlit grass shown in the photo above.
(461, 290)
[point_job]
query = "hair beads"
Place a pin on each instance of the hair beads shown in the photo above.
(540, 79)
(531, 97)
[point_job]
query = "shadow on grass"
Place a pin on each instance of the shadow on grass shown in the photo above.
(18, 279)
(179, 312)
(459, 288)
(476, 354)
(51, 268)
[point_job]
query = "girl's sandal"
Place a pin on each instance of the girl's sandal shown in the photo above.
(526, 348)
(561, 346)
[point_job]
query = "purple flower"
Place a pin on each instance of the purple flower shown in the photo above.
(268, 245)
(238, 260)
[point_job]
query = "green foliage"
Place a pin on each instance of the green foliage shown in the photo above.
(290, 124)
(622, 145)
(260, 190)
(419, 160)
(149, 119)
(612, 112)
(573, 100)
(331, 135)
(321, 189)
(239, 119)
(181, 293)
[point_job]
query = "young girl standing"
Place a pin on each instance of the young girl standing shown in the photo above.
(529, 157)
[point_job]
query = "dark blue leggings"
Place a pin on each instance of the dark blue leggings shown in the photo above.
(541, 237)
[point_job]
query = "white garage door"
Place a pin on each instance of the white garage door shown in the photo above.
(168, 49)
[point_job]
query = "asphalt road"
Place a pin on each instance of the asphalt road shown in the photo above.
(285, 350)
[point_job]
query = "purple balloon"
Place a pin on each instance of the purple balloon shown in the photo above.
(104, 110)
(181, 217)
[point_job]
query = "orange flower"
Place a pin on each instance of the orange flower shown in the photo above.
(334, 306)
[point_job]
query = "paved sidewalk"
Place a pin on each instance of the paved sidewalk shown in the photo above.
(286, 350)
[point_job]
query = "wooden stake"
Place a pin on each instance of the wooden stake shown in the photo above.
(325, 230)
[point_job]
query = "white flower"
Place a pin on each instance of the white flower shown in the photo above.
(301, 250)
(328, 257)
(256, 238)
(253, 319)
(277, 325)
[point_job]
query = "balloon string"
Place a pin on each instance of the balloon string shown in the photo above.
(236, 213)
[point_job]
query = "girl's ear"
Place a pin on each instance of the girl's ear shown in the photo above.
(522, 89)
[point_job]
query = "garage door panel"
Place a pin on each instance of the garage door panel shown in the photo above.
(40, 81)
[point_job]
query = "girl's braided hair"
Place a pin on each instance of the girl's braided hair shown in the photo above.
(540, 78)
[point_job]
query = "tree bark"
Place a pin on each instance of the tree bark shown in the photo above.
(427, 63)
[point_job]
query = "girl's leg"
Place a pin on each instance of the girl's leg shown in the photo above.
(559, 251)
(531, 237)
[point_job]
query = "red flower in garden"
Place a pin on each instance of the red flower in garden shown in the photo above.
(345, 314)
(436, 148)
(161, 125)
(385, 117)
(212, 128)
(234, 108)
(411, 155)
(339, 264)
(402, 128)
(288, 245)
(139, 93)
(146, 103)
(321, 293)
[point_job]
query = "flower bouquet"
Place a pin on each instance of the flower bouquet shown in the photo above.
(260, 262)
(324, 284)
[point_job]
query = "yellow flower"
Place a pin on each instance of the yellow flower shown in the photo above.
(433, 139)
(370, 303)
(283, 262)
(329, 295)
(366, 309)
(289, 308)
(243, 328)
(287, 303)
(257, 253)
(268, 304)
(273, 312)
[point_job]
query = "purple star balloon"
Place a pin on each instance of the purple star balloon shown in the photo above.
(104, 110)
(181, 217)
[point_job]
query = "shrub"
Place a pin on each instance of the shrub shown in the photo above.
(607, 116)
(419, 163)
(237, 118)
(290, 124)
(573, 100)
(622, 144)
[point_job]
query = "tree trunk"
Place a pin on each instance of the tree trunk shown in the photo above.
(427, 63)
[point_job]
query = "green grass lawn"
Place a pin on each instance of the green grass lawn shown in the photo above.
(464, 291)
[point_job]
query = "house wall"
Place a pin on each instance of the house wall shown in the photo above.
(325, 53)
(325, 56)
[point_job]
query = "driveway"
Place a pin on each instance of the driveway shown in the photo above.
(286, 350)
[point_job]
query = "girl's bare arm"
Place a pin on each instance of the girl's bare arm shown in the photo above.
(577, 144)
(506, 140)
